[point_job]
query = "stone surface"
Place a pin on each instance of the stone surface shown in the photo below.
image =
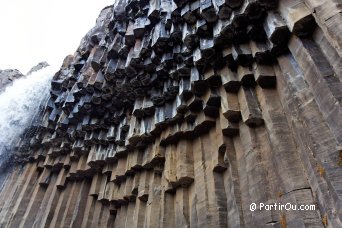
(39, 66)
(7, 77)
(182, 114)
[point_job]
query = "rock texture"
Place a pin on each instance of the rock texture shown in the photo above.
(39, 66)
(7, 77)
(183, 113)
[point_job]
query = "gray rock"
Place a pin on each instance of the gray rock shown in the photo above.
(7, 77)
(39, 66)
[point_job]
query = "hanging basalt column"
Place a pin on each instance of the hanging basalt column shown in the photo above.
(178, 113)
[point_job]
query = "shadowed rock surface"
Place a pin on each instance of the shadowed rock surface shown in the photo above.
(182, 114)
(21, 103)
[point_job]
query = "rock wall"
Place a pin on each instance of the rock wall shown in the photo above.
(22, 103)
(182, 114)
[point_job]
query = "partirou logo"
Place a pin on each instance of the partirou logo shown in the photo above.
(281, 207)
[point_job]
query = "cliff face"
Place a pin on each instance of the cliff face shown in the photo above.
(20, 101)
(182, 114)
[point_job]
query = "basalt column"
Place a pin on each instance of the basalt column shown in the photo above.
(183, 113)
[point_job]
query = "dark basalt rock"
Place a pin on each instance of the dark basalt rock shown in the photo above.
(167, 107)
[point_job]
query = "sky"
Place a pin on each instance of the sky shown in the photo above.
(32, 31)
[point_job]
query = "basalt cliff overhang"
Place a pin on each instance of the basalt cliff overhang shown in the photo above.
(184, 113)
